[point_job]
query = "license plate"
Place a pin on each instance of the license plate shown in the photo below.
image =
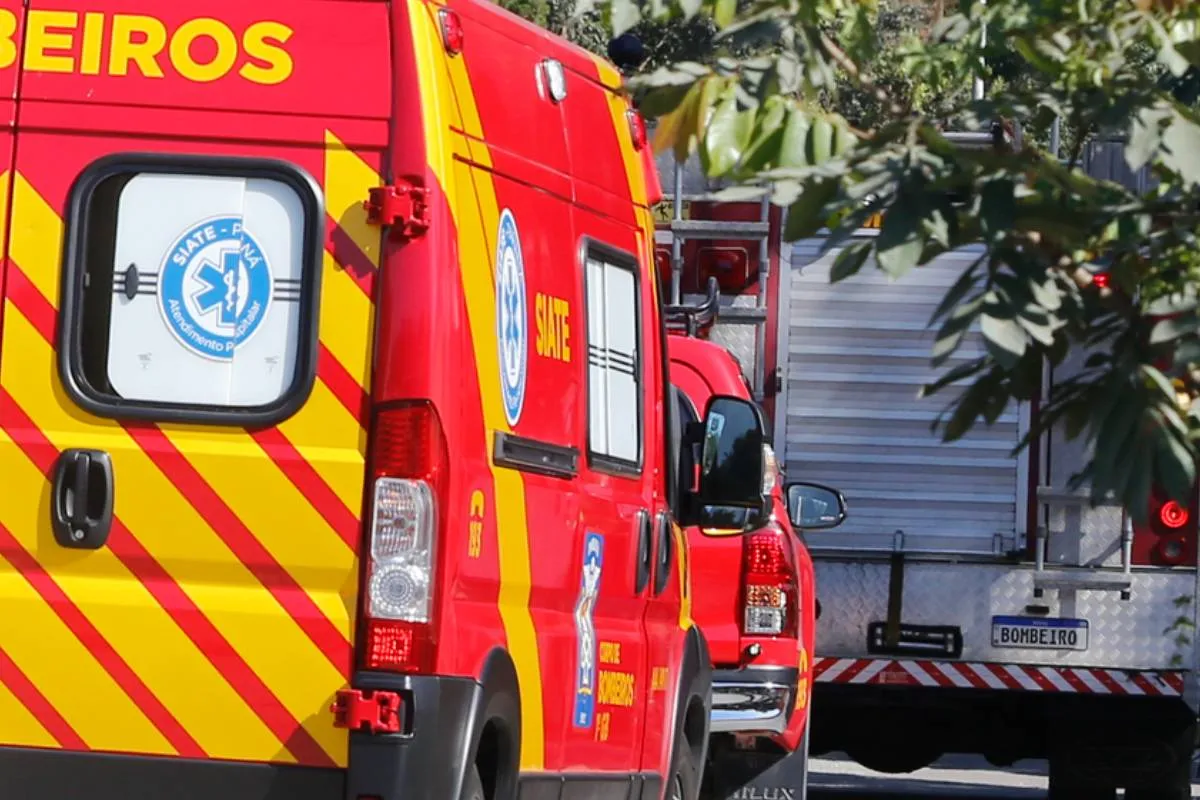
(1039, 633)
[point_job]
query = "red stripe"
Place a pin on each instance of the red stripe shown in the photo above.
(822, 665)
(344, 386)
(310, 484)
(1041, 680)
(1076, 682)
(46, 714)
(1145, 685)
(853, 670)
(1174, 680)
(350, 257)
(973, 677)
(244, 544)
(224, 658)
(1003, 676)
(98, 646)
(1108, 682)
(938, 676)
(224, 522)
(31, 303)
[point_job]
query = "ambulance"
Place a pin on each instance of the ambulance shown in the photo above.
(336, 452)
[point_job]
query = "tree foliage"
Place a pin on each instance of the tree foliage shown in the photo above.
(763, 114)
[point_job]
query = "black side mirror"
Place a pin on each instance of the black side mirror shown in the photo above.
(729, 492)
(813, 507)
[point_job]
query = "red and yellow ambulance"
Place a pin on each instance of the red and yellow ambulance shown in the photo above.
(336, 456)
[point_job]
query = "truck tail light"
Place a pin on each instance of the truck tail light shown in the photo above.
(1168, 538)
(408, 473)
(769, 588)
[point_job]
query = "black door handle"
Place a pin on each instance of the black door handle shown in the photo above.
(665, 553)
(81, 508)
(645, 550)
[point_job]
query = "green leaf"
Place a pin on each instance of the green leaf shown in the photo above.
(793, 147)
(625, 15)
(955, 294)
(724, 12)
(998, 207)
(849, 261)
(1172, 328)
(1005, 339)
(805, 216)
(970, 405)
(690, 8)
(820, 140)
(726, 135)
(899, 243)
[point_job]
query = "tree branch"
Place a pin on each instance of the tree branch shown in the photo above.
(839, 57)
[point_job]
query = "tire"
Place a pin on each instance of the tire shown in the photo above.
(473, 785)
(1066, 784)
(685, 783)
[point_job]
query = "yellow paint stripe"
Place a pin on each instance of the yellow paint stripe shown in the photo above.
(129, 619)
(347, 179)
(323, 432)
(18, 727)
(238, 605)
(475, 228)
(348, 321)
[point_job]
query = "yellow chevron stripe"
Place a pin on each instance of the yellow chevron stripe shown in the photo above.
(18, 727)
(476, 227)
(333, 442)
(204, 567)
(348, 319)
(130, 620)
(347, 178)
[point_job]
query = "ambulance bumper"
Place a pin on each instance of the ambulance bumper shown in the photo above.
(753, 699)
(428, 759)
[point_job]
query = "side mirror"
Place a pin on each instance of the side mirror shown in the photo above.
(813, 507)
(732, 463)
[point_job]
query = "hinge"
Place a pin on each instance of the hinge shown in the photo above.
(400, 206)
(366, 710)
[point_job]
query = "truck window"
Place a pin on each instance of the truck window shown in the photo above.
(191, 290)
(614, 361)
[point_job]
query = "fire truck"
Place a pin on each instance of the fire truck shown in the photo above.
(970, 603)
(334, 438)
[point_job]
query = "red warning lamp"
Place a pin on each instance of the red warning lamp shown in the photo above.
(1101, 280)
(1173, 515)
(452, 31)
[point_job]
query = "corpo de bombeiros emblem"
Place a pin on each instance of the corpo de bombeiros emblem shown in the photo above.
(511, 317)
(214, 288)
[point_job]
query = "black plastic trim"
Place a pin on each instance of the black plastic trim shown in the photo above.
(76, 238)
(36, 774)
(533, 455)
(431, 758)
(695, 686)
(585, 786)
(621, 259)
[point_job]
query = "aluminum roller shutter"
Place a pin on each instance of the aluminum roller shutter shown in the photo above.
(857, 354)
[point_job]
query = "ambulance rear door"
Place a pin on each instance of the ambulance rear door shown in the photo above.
(184, 386)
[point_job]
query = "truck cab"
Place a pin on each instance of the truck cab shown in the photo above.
(332, 371)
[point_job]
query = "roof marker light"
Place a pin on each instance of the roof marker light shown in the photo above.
(452, 31)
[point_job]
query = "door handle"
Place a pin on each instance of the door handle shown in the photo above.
(645, 550)
(665, 553)
(81, 507)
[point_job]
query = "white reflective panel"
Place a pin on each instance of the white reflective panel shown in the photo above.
(597, 360)
(621, 312)
(216, 317)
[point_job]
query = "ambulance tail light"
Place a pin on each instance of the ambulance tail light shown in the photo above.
(408, 471)
(769, 586)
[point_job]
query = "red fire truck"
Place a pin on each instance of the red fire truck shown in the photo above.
(971, 603)
(333, 377)
(760, 626)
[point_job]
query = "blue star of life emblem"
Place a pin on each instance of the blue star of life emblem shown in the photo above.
(215, 287)
(511, 311)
